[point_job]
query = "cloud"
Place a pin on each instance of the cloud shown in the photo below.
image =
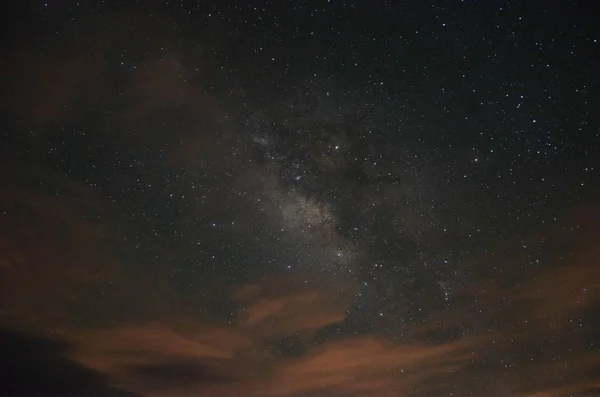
(210, 359)
(43, 88)
(366, 365)
(538, 335)
(158, 376)
(217, 359)
(193, 356)
(128, 73)
(60, 261)
(37, 366)
(562, 285)
(241, 358)
(78, 71)
(502, 338)
(569, 288)
(287, 304)
(144, 357)
(144, 342)
(46, 240)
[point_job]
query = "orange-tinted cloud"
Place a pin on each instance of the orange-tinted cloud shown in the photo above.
(46, 240)
(286, 304)
(558, 288)
(135, 356)
(59, 259)
(127, 69)
(365, 366)
(539, 335)
(48, 88)
(55, 263)
(208, 359)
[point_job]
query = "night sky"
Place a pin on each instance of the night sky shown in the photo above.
(300, 198)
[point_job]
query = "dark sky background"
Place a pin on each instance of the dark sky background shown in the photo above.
(300, 198)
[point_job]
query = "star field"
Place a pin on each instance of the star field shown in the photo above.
(320, 198)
